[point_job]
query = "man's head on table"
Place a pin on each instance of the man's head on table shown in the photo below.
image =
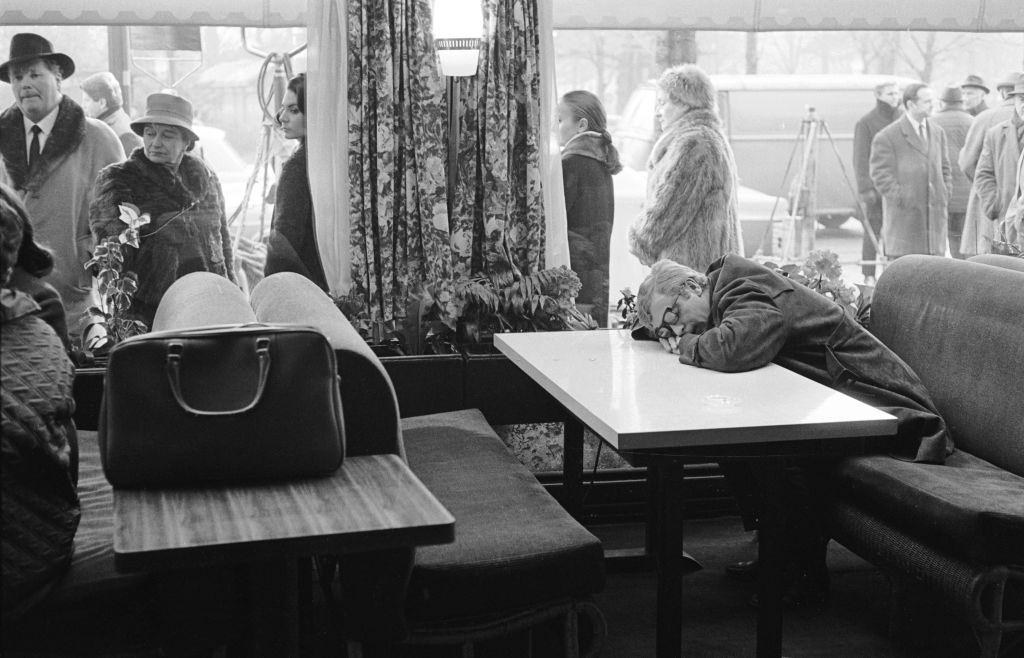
(673, 301)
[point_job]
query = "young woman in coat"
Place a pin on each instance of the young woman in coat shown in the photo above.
(589, 160)
(188, 229)
(292, 245)
(690, 215)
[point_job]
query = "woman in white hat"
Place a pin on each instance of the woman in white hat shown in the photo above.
(187, 228)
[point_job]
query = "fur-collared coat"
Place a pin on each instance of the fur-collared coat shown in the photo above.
(914, 178)
(58, 191)
(188, 229)
(690, 215)
(590, 212)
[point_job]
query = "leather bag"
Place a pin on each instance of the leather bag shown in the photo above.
(221, 404)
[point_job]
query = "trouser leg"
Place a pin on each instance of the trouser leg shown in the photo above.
(955, 232)
(867, 252)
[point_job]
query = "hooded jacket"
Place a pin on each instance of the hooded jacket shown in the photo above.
(690, 215)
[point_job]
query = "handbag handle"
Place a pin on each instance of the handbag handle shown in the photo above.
(174, 350)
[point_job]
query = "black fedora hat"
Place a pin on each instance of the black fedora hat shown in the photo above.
(26, 47)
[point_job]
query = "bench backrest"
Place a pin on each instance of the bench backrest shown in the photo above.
(960, 326)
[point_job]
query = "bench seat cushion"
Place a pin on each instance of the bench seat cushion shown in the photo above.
(968, 506)
(515, 546)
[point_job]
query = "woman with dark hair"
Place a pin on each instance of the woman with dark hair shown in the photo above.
(292, 245)
(187, 229)
(40, 465)
(589, 159)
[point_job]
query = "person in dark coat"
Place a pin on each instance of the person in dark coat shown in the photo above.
(975, 91)
(886, 110)
(41, 510)
(187, 229)
(292, 244)
(910, 167)
(955, 122)
(589, 160)
(740, 316)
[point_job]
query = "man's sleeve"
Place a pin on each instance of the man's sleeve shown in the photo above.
(750, 334)
(861, 158)
(883, 167)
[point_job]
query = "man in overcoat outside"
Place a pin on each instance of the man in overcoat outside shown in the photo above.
(955, 122)
(977, 236)
(910, 167)
(974, 91)
(996, 174)
(886, 110)
(53, 153)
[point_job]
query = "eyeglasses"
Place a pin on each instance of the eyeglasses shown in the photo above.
(668, 318)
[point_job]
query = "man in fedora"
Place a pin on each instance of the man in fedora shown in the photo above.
(955, 121)
(975, 91)
(977, 234)
(53, 153)
(995, 178)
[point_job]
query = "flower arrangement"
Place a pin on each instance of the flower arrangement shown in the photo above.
(822, 272)
(438, 316)
(115, 286)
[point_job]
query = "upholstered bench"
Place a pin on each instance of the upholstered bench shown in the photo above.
(95, 609)
(957, 528)
(518, 556)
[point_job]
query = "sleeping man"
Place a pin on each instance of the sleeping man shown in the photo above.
(741, 316)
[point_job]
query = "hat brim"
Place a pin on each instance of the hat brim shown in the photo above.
(66, 64)
(139, 125)
(981, 87)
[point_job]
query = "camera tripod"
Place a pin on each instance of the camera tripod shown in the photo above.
(796, 239)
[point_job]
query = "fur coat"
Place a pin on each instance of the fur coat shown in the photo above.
(58, 191)
(690, 215)
(188, 229)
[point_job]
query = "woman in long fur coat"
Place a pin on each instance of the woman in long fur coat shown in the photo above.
(690, 215)
(188, 230)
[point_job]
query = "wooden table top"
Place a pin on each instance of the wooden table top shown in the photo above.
(371, 502)
(637, 396)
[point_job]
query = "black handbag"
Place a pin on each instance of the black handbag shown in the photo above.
(221, 404)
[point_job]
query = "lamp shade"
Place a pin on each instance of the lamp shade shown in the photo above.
(458, 27)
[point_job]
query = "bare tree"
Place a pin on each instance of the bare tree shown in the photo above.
(927, 49)
(677, 47)
(751, 68)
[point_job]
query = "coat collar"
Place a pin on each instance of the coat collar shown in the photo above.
(913, 139)
(68, 133)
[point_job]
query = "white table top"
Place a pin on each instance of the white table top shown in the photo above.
(637, 396)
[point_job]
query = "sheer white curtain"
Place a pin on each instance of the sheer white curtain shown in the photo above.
(556, 249)
(327, 141)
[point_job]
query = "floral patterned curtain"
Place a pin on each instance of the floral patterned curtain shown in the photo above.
(497, 206)
(397, 134)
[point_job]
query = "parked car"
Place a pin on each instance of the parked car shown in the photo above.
(762, 116)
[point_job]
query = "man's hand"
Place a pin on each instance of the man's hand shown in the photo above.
(670, 344)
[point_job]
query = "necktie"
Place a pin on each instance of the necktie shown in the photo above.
(924, 135)
(33, 149)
